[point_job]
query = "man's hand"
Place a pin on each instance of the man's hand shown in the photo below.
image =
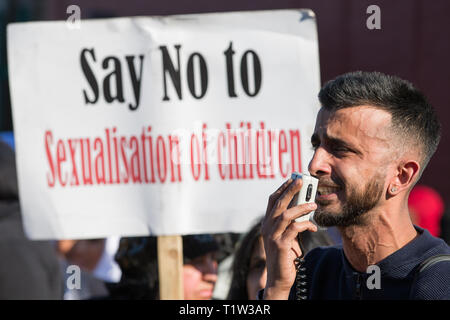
(279, 232)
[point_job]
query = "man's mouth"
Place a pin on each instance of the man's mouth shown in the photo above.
(327, 191)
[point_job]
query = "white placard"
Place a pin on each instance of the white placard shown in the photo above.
(160, 125)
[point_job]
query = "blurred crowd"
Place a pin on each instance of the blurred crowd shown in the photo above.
(215, 266)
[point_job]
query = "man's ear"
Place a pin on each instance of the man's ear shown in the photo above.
(407, 175)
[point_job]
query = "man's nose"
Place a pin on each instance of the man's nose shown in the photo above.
(320, 163)
(210, 277)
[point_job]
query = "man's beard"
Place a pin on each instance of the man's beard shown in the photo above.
(353, 211)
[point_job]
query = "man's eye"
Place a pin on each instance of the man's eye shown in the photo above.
(258, 265)
(340, 150)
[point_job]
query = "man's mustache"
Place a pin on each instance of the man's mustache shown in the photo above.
(330, 182)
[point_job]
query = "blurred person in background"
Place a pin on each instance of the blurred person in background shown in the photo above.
(95, 258)
(249, 271)
(138, 260)
(426, 208)
(28, 269)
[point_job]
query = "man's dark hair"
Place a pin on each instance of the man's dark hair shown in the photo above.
(412, 115)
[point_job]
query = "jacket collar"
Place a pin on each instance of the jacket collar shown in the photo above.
(401, 263)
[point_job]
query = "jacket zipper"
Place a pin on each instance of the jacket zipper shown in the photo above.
(358, 287)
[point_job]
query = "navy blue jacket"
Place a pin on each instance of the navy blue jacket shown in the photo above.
(330, 275)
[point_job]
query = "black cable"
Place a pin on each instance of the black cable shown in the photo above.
(300, 280)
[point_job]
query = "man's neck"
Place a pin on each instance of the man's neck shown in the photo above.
(385, 233)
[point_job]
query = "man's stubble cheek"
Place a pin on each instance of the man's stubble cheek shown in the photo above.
(352, 209)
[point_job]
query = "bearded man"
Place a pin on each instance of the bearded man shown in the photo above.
(373, 138)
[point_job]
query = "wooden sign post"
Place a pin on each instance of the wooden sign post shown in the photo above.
(170, 267)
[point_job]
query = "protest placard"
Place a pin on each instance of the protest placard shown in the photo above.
(160, 125)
